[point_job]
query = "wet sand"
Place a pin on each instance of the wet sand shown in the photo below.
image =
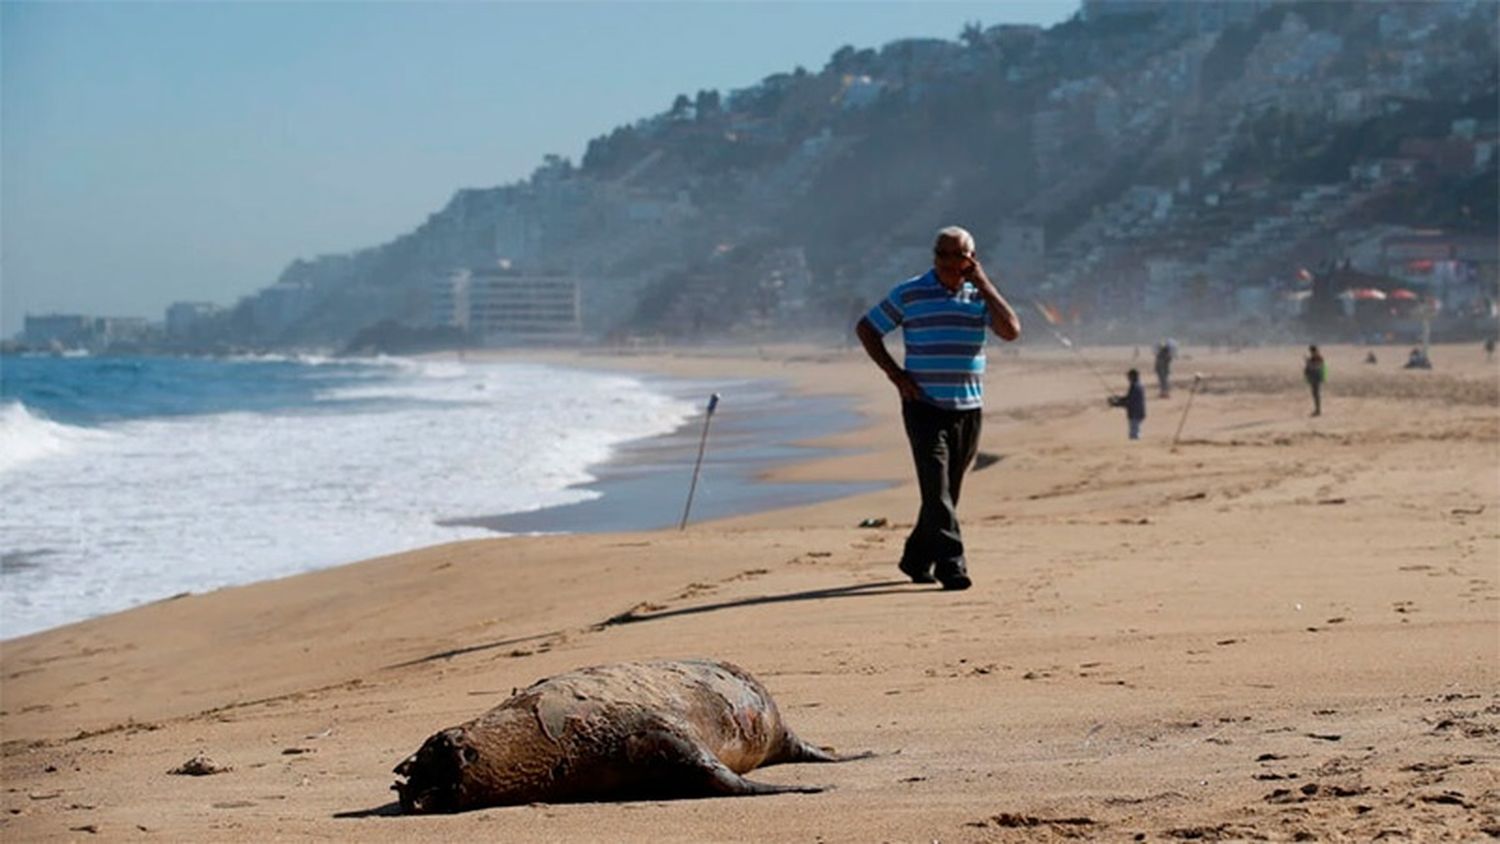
(1284, 628)
(757, 427)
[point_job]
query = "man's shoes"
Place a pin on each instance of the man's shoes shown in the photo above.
(954, 576)
(955, 582)
(917, 575)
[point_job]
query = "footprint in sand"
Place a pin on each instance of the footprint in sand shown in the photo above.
(1314, 791)
(694, 589)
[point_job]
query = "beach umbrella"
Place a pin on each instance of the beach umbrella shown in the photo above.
(1297, 295)
(1402, 293)
(1363, 294)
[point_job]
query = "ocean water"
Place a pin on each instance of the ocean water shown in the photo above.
(127, 480)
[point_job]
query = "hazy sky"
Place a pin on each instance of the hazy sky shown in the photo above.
(156, 152)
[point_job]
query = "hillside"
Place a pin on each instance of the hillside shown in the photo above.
(1226, 139)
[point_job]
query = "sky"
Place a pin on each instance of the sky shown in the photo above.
(188, 151)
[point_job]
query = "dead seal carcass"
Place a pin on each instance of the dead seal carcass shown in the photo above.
(635, 730)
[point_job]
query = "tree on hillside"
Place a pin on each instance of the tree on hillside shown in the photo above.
(972, 34)
(846, 59)
(604, 156)
(707, 104)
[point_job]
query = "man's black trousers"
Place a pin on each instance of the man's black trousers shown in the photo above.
(943, 444)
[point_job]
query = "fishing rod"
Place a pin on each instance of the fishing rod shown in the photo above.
(1197, 379)
(1068, 344)
(713, 403)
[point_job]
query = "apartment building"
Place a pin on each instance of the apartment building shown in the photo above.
(501, 306)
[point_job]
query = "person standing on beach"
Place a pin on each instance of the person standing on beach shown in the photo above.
(943, 314)
(1164, 355)
(1134, 402)
(1315, 370)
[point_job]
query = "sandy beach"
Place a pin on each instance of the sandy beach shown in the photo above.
(1284, 628)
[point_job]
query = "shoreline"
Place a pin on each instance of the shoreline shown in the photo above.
(637, 487)
(759, 428)
(1284, 628)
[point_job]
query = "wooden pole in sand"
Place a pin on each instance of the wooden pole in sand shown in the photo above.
(1197, 377)
(713, 402)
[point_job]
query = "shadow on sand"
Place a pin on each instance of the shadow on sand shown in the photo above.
(637, 615)
(886, 587)
(389, 810)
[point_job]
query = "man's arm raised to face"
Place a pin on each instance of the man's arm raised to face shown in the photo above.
(1003, 318)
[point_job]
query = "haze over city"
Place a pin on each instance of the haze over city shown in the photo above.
(163, 152)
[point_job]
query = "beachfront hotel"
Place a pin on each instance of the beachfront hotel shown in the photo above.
(501, 307)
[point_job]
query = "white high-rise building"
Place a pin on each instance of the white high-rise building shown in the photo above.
(500, 306)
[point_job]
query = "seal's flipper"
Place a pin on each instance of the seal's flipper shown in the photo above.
(741, 787)
(678, 768)
(796, 750)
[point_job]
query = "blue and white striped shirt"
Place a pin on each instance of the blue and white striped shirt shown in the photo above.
(944, 334)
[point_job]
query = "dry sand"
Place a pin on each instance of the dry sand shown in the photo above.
(1286, 628)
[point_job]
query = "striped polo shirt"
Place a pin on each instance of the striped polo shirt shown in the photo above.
(944, 334)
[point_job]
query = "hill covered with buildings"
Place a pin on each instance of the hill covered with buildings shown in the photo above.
(1143, 163)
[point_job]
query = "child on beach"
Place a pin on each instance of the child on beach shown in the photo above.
(1134, 402)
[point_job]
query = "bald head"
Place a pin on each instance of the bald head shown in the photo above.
(955, 236)
(953, 256)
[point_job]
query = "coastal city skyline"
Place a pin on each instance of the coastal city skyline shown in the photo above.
(160, 153)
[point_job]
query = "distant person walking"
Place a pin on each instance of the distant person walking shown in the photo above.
(1315, 371)
(943, 314)
(1134, 402)
(1489, 348)
(1164, 354)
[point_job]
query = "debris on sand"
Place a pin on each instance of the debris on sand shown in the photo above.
(200, 766)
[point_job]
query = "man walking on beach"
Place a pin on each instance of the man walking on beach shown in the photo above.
(943, 314)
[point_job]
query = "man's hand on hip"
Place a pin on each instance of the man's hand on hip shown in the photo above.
(906, 385)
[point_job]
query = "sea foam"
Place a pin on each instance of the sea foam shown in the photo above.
(25, 437)
(101, 519)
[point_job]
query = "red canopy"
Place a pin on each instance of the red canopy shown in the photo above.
(1364, 293)
(1402, 293)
